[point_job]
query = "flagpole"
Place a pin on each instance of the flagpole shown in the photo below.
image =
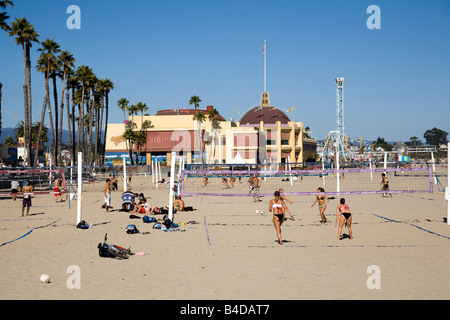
(265, 65)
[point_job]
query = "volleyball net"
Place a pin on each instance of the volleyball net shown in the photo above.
(41, 180)
(305, 182)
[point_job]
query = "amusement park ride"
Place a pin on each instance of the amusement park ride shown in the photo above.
(336, 142)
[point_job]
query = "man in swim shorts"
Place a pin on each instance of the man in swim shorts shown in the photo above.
(26, 202)
(107, 191)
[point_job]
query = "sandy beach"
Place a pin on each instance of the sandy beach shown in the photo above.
(227, 251)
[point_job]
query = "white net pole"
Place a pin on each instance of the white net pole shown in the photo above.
(124, 174)
(172, 183)
(447, 190)
(80, 185)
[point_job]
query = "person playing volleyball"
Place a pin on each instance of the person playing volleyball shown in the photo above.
(278, 206)
(322, 205)
(344, 216)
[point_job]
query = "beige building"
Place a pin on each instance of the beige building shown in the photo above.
(263, 134)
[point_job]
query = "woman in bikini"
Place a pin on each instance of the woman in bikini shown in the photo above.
(279, 208)
(322, 204)
(344, 216)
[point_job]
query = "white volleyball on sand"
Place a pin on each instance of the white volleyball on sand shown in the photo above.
(294, 179)
(45, 278)
(261, 212)
(257, 211)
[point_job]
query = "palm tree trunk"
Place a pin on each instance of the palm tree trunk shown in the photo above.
(81, 122)
(25, 103)
(68, 121)
(61, 108)
(73, 125)
(52, 131)
(106, 123)
(28, 111)
(38, 138)
(55, 97)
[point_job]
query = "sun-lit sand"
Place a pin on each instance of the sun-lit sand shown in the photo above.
(229, 251)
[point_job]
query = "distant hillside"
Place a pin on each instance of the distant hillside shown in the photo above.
(9, 132)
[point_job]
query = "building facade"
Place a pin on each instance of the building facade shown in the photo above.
(264, 134)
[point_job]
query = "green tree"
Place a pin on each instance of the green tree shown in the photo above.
(3, 15)
(195, 100)
(9, 142)
(380, 142)
(199, 117)
(435, 137)
(25, 35)
(46, 63)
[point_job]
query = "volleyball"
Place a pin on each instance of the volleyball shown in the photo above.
(45, 278)
(261, 212)
(257, 211)
(294, 179)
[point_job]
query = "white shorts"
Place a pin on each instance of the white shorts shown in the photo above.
(108, 199)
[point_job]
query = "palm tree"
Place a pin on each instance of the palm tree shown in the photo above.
(9, 142)
(108, 85)
(3, 15)
(66, 61)
(195, 100)
(123, 105)
(213, 114)
(25, 36)
(199, 117)
(85, 76)
(47, 64)
(73, 84)
(4, 26)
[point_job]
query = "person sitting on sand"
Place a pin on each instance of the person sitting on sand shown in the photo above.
(278, 206)
(178, 204)
(142, 207)
(322, 205)
(344, 216)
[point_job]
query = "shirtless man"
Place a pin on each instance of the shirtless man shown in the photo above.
(26, 202)
(107, 191)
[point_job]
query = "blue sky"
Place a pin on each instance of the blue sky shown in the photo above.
(397, 78)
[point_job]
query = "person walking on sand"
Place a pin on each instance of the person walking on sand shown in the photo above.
(15, 187)
(321, 203)
(255, 184)
(344, 216)
(107, 191)
(278, 207)
(26, 202)
(385, 185)
(57, 191)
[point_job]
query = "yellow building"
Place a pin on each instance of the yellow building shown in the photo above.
(263, 134)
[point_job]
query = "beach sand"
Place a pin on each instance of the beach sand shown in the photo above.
(230, 252)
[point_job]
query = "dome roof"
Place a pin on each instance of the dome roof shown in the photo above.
(270, 115)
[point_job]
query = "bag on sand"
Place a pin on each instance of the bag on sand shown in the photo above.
(83, 225)
(131, 229)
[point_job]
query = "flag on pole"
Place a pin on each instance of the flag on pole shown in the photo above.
(290, 109)
(238, 111)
